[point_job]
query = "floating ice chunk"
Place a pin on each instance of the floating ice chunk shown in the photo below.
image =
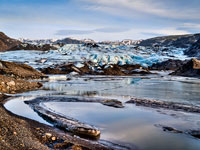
(57, 77)
(79, 65)
(73, 73)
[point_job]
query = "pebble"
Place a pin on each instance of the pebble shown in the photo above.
(48, 135)
(76, 147)
(11, 83)
(53, 138)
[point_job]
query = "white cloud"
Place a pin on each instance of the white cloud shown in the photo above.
(191, 26)
(167, 31)
(153, 7)
(84, 32)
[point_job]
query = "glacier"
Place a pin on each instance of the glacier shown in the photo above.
(103, 55)
(121, 54)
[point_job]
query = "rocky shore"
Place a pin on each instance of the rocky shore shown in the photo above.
(12, 85)
(21, 133)
(88, 68)
(14, 77)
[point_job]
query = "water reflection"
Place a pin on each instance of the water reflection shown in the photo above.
(131, 124)
(131, 87)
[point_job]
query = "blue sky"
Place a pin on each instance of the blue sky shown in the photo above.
(98, 19)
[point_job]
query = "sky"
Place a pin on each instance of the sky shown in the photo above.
(98, 19)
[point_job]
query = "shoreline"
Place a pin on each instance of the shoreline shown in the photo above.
(18, 133)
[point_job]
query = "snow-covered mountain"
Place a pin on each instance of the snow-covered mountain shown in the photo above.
(56, 41)
(77, 41)
(38, 42)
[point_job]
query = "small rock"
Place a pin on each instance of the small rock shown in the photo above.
(76, 147)
(1, 65)
(48, 135)
(113, 103)
(11, 83)
(53, 138)
(62, 145)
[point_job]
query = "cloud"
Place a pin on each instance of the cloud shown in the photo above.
(191, 26)
(112, 29)
(98, 30)
(166, 31)
(73, 32)
(153, 7)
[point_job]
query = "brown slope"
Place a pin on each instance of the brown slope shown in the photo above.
(7, 43)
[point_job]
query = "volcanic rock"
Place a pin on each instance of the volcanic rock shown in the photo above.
(168, 65)
(190, 69)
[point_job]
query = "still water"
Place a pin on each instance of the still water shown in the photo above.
(131, 124)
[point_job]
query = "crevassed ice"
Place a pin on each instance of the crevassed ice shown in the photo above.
(120, 54)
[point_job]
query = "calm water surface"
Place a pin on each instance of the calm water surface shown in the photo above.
(132, 124)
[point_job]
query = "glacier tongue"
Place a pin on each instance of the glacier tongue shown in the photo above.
(100, 55)
(120, 54)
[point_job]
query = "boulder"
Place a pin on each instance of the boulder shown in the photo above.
(190, 69)
(113, 103)
(170, 64)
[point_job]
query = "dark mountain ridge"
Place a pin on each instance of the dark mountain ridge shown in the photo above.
(179, 41)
